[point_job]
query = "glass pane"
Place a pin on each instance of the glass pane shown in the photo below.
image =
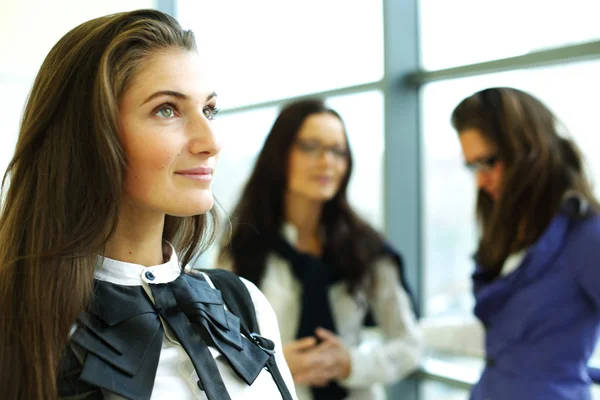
(244, 133)
(12, 100)
(433, 390)
(270, 49)
(23, 51)
(36, 25)
(463, 32)
(363, 115)
(242, 136)
(596, 392)
(449, 191)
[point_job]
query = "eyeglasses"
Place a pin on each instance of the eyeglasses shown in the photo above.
(483, 164)
(314, 149)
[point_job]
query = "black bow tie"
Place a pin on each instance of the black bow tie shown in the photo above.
(123, 336)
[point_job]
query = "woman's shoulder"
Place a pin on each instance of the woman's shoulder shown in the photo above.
(260, 302)
(590, 223)
(225, 276)
(258, 298)
(586, 231)
(224, 261)
(388, 264)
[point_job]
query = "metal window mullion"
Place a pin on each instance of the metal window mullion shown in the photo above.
(402, 170)
(559, 55)
(363, 87)
(167, 6)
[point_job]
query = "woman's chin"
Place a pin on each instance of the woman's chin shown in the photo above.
(189, 209)
(325, 196)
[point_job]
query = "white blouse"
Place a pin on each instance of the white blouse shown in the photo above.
(176, 377)
(372, 364)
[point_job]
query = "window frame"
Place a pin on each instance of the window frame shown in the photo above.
(401, 87)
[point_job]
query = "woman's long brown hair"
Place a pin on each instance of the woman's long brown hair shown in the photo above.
(540, 167)
(62, 191)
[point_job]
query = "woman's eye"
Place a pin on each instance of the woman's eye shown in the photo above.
(166, 112)
(210, 112)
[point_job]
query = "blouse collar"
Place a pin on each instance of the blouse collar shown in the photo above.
(289, 232)
(130, 274)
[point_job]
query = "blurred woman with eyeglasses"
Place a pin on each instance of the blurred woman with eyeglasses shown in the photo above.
(537, 275)
(322, 267)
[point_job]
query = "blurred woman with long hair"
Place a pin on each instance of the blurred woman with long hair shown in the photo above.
(537, 278)
(322, 267)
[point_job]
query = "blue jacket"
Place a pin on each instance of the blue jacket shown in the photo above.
(542, 320)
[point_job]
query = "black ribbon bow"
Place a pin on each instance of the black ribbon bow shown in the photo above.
(122, 336)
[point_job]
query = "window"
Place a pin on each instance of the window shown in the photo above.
(34, 34)
(363, 115)
(242, 136)
(464, 32)
(271, 49)
(13, 93)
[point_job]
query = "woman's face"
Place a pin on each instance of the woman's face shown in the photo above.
(481, 156)
(172, 151)
(319, 158)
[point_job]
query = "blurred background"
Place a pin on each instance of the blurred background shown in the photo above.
(394, 69)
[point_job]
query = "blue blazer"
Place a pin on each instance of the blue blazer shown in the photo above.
(542, 320)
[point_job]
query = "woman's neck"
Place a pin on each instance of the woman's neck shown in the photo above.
(305, 215)
(138, 236)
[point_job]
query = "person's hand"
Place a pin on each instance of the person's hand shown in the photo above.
(317, 364)
(338, 363)
(305, 360)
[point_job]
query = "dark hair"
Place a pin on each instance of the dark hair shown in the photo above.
(259, 215)
(540, 167)
(63, 188)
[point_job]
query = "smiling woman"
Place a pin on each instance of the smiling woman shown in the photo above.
(166, 131)
(110, 182)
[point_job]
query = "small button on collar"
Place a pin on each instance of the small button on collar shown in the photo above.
(149, 275)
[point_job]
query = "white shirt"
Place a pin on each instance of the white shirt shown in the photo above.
(395, 357)
(176, 378)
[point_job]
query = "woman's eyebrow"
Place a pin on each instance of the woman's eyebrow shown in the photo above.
(166, 93)
(173, 93)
